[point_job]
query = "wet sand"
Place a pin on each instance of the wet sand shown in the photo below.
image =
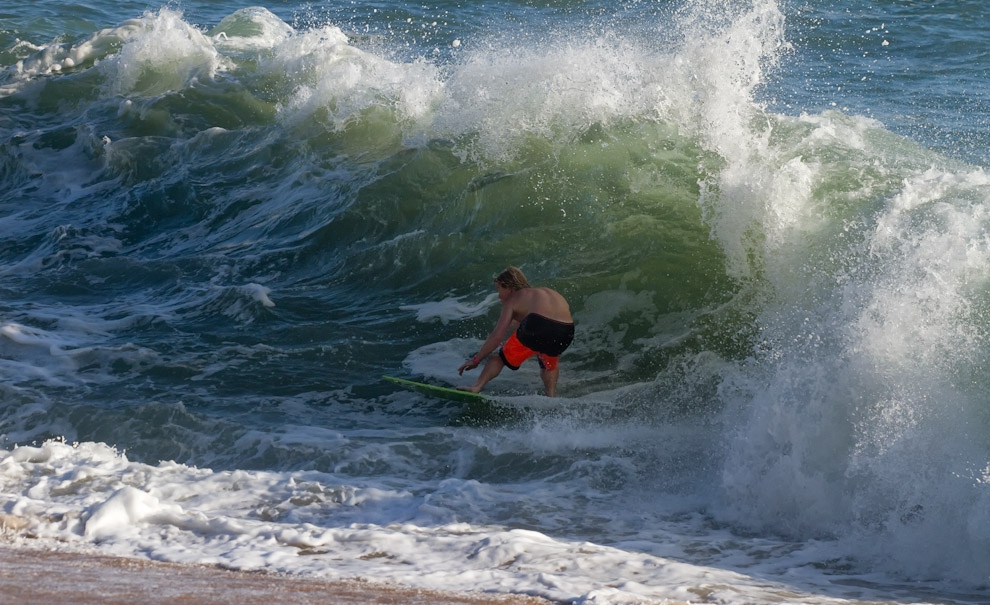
(29, 576)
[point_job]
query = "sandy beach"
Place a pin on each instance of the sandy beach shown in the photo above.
(33, 575)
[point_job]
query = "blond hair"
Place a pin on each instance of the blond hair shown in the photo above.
(512, 278)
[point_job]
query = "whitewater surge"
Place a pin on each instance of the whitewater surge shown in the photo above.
(221, 228)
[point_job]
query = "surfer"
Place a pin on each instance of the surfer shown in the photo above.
(543, 327)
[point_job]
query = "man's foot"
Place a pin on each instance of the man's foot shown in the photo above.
(470, 389)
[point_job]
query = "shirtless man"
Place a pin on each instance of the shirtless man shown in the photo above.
(544, 328)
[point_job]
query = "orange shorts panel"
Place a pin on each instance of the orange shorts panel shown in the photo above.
(514, 353)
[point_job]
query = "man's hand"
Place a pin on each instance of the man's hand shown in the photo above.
(470, 364)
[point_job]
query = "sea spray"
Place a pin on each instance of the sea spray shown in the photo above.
(848, 423)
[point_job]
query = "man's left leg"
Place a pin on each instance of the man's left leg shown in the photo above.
(492, 369)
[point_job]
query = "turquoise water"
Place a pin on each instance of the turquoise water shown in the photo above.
(223, 223)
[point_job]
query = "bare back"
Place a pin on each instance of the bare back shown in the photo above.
(542, 301)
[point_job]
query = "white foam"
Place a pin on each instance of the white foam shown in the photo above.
(333, 527)
(329, 74)
(127, 507)
(165, 54)
(155, 53)
(451, 309)
(869, 362)
(59, 57)
(506, 94)
(259, 294)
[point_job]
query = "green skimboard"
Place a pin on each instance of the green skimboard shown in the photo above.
(479, 410)
(435, 391)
